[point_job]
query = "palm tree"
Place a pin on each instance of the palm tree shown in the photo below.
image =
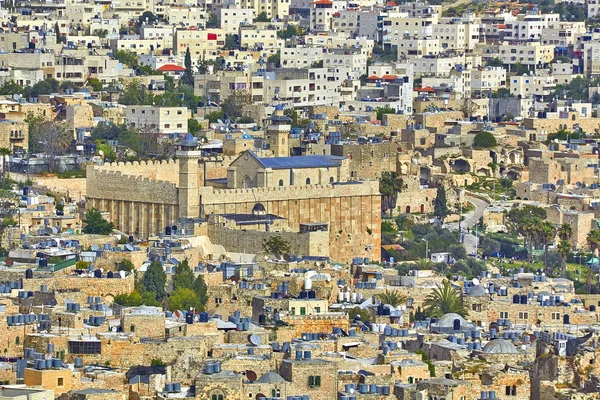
(547, 233)
(443, 300)
(564, 248)
(565, 231)
(4, 152)
(390, 184)
(392, 297)
(588, 277)
(423, 263)
(593, 240)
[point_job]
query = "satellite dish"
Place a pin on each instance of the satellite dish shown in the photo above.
(475, 281)
(254, 339)
(17, 96)
(220, 122)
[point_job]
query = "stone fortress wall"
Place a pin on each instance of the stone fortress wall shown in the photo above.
(140, 205)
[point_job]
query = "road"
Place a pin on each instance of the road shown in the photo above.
(469, 221)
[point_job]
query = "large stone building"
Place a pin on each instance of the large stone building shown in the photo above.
(143, 199)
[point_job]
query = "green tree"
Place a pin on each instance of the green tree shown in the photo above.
(193, 126)
(564, 248)
(126, 57)
(212, 20)
(184, 299)
(136, 299)
(554, 264)
(187, 78)
(125, 265)
(57, 33)
(147, 17)
(392, 297)
(262, 17)
(4, 153)
(387, 109)
(184, 276)
(440, 204)
(66, 85)
(276, 245)
(155, 279)
(275, 59)
(289, 32)
(457, 251)
(96, 84)
(547, 233)
(525, 222)
(357, 311)
(576, 89)
(593, 240)
(108, 153)
(201, 289)
(484, 140)
(390, 184)
(495, 62)
(443, 300)
(565, 231)
(157, 362)
(230, 42)
(235, 104)
(10, 88)
(96, 224)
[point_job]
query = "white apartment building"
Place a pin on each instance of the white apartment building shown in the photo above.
(184, 16)
(301, 57)
(351, 63)
(303, 87)
(530, 54)
(204, 43)
(563, 34)
(231, 19)
(529, 26)
(484, 80)
(260, 37)
(398, 27)
(411, 47)
(528, 86)
(459, 37)
(167, 120)
(321, 14)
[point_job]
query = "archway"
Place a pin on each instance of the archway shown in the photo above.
(512, 158)
(461, 165)
(424, 176)
(422, 208)
(407, 209)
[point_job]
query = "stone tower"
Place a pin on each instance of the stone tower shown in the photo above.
(189, 198)
(279, 132)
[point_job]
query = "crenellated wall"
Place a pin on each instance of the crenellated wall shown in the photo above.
(142, 206)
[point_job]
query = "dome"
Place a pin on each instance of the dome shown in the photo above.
(499, 346)
(259, 209)
(447, 321)
(477, 291)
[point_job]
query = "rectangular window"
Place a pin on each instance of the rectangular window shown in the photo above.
(60, 382)
(85, 347)
(504, 314)
(293, 311)
(314, 381)
(317, 310)
(523, 315)
(302, 310)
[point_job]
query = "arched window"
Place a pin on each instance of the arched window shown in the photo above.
(281, 182)
(17, 340)
(308, 181)
(331, 180)
(132, 328)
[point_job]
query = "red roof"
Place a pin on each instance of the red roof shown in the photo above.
(426, 89)
(389, 77)
(373, 78)
(323, 2)
(171, 68)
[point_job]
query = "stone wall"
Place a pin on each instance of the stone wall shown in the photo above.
(79, 288)
(242, 241)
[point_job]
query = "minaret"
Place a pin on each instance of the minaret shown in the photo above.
(189, 197)
(279, 132)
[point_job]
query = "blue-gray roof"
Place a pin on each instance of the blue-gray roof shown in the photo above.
(313, 161)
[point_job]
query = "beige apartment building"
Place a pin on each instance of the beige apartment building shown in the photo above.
(533, 55)
(261, 36)
(167, 120)
(206, 43)
(13, 134)
(489, 78)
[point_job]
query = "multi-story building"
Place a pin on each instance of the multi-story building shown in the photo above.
(531, 54)
(458, 37)
(302, 87)
(185, 15)
(484, 80)
(222, 84)
(260, 36)
(202, 44)
(301, 57)
(350, 62)
(231, 19)
(562, 34)
(411, 47)
(321, 14)
(397, 27)
(529, 86)
(164, 120)
(529, 26)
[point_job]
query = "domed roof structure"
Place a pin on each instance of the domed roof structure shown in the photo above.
(447, 321)
(477, 291)
(259, 209)
(499, 346)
